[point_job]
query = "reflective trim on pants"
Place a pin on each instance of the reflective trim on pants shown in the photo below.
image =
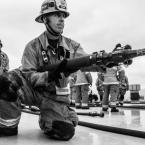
(105, 106)
(62, 91)
(84, 104)
(9, 122)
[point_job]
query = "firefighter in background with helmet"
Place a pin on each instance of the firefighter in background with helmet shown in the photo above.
(8, 116)
(99, 85)
(123, 86)
(4, 60)
(111, 88)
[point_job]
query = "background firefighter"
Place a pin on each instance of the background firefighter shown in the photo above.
(123, 87)
(83, 81)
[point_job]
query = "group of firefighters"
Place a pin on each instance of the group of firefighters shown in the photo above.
(48, 89)
(113, 83)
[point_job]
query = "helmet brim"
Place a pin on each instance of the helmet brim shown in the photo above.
(39, 19)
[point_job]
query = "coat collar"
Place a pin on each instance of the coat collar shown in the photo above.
(44, 41)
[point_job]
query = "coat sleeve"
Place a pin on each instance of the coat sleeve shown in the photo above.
(79, 52)
(30, 66)
(7, 63)
(7, 66)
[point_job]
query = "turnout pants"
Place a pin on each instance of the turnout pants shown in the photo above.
(81, 95)
(111, 91)
(56, 119)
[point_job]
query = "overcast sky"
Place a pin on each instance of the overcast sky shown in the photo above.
(96, 24)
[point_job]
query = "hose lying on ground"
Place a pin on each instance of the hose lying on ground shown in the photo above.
(118, 130)
(112, 129)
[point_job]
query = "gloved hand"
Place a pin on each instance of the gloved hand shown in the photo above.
(60, 72)
(129, 61)
(117, 46)
(55, 75)
(102, 55)
(4, 84)
(10, 83)
(6, 92)
(103, 68)
(127, 47)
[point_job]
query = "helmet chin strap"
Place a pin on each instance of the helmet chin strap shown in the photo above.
(51, 33)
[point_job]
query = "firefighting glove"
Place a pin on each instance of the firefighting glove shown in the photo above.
(126, 47)
(117, 46)
(128, 61)
(106, 61)
(61, 130)
(4, 83)
(57, 73)
(10, 83)
(6, 93)
(101, 56)
(103, 68)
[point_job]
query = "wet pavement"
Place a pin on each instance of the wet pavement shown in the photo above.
(30, 134)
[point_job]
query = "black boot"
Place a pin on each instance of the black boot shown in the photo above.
(114, 109)
(104, 109)
(85, 107)
(8, 131)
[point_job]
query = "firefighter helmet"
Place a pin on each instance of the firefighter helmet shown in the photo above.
(51, 6)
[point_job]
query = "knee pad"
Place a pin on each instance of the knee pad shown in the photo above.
(61, 130)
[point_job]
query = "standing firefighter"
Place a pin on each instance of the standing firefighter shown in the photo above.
(83, 81)
(124, 86)
(72, 80)
(111, 88)
(99, 85)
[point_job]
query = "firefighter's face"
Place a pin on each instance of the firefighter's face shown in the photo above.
(56, 21)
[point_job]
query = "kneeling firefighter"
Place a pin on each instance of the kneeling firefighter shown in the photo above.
(47, 89)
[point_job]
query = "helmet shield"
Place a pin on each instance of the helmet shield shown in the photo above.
(61, 5)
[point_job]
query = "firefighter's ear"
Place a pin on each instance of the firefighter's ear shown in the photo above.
(44, 20)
